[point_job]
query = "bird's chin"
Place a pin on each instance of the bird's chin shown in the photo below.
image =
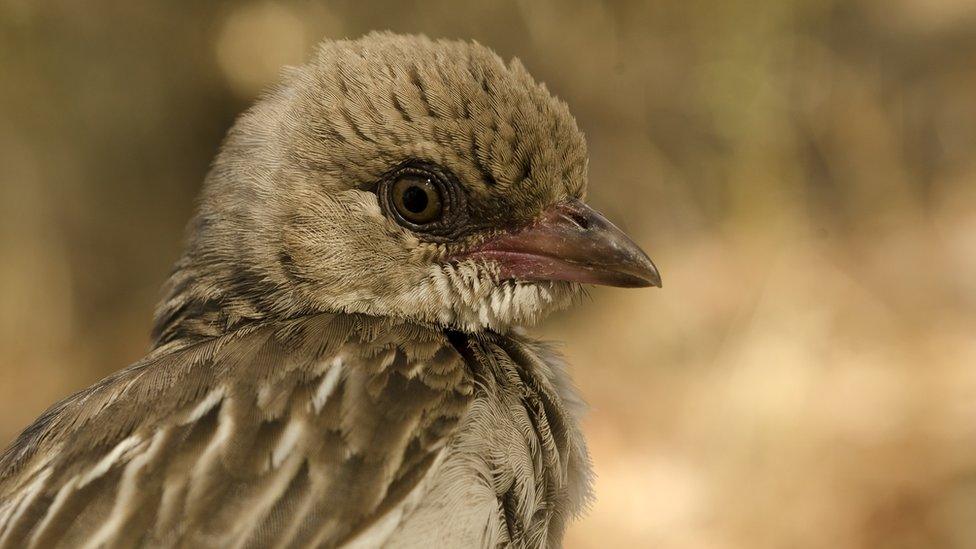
(518, 304)
(472, 297)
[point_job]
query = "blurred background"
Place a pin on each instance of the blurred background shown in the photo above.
(802, 171)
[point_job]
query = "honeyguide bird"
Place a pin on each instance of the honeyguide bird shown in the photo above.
(338, 359)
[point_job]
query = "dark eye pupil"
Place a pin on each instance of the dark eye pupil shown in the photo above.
(415, 199)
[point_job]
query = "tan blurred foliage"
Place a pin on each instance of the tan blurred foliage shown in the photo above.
(802, 171)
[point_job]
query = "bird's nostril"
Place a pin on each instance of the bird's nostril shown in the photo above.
(579, 220)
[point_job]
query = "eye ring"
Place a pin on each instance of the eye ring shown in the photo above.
(424, 198)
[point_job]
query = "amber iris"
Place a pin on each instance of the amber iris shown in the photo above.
(417, 199)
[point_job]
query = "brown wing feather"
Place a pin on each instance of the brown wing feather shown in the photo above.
(294, 434)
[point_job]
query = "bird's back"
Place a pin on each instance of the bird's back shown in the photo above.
(321, 431)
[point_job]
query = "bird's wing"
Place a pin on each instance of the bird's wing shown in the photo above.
(315, 432)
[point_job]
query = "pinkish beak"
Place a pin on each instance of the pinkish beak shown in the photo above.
(570, 242)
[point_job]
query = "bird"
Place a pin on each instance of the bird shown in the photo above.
(342, 354)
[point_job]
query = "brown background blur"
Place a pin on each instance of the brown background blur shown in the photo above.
(802, 171)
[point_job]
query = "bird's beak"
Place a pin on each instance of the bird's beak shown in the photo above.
(571, 242)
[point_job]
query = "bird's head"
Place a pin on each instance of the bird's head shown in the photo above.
(399, 176)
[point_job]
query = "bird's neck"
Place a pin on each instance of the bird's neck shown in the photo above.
(204, 303)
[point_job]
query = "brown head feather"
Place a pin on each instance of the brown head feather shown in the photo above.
(290, 222)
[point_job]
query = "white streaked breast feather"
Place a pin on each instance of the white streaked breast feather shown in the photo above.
(289, 438)
(126, 493)
(59, 500)
(327, 385)
(13, 510)
(204, 406)
(106, 462)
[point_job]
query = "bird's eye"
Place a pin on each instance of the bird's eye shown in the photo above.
(424, 198)
(417, 199)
